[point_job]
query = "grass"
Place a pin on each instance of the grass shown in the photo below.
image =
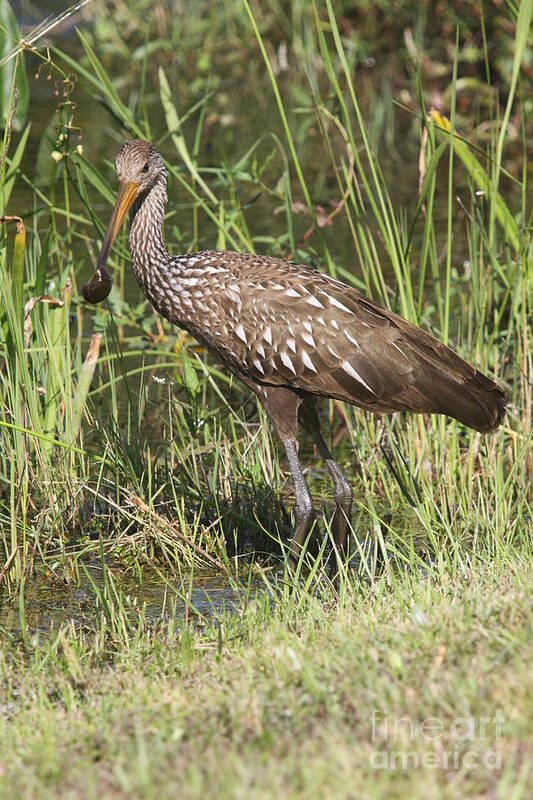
(128, 457)
(309, 699)
(82, 415)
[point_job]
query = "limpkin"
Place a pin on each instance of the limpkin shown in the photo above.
(290, 333)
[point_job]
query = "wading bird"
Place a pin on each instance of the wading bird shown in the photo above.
(291, 334)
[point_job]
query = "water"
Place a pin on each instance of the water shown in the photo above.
(49, 605)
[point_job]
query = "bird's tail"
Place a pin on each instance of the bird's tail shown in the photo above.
(476, 401)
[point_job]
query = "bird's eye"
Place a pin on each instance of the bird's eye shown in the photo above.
(145, 168)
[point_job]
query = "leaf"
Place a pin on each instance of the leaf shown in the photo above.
(84, 383)
(482, 180)
(32, 303)
(13, 72)
(102, 86)
(174, 127)
(426, 184)
(40, 277)
(17, 273)
(149, 48)
(221, 238)
(13, 319)
(189, 376)
(14, 164)
(94, 177)
(45, 166)
(430, 171)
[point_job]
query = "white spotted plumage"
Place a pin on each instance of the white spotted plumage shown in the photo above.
(290, 333)
(283, 324)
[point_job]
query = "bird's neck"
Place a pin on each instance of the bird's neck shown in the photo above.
(150, 259)
(164, 279)
(147, 246)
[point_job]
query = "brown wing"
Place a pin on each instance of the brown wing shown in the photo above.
(296, 327)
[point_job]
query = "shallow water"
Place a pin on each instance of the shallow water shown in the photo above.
(49, 606)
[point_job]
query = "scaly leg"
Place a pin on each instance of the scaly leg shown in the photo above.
(343, 489)
(303, 507)
(282, 404)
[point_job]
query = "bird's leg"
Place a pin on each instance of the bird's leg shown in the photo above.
(282, 404)
(303, 507)
(343, 489)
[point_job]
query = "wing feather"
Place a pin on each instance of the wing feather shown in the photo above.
(310, 332)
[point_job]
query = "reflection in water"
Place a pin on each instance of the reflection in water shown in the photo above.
(47, 607)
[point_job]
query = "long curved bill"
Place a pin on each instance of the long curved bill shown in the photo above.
(98, 288)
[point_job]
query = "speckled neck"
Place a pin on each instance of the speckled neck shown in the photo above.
(147, 246)
(160, 275)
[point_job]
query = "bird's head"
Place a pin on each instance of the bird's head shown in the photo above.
(138, 162)
(138, 166)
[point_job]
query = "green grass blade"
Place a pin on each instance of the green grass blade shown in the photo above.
(174, 127)
(84, 384)
(14, 163)
(523, 31)
(482, 180)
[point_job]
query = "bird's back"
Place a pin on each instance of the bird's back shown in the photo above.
(285, 324)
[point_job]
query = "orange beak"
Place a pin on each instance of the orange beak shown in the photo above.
(98, 288)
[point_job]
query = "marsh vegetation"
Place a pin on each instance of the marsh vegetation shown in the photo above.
(153, 641)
